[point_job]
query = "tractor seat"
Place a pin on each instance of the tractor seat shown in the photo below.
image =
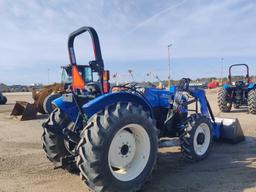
(240, 84)
(93, 88)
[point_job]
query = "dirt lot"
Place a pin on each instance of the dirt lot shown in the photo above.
(23, 166)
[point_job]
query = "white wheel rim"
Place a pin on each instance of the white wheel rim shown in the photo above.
(201, 149)
(129, 152)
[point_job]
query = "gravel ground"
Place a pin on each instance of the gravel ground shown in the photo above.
(24, 167)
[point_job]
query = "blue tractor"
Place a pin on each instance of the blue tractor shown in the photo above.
(113, 137)
(237, 92)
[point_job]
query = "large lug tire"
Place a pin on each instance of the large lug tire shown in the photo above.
(118, 149)
(3, 101)
(47, 104)
(54, 145)
(196, 138)
(223, 103)
(252, 101)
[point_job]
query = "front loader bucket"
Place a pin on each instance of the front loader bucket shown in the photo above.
(230, 130)
(25, 110)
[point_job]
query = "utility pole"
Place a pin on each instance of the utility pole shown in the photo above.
(169, 65)
(48, 74)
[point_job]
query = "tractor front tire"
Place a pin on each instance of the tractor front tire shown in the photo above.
(53, 145)
(118, 149)
(223, 103)
(196, 138)
(252, 101)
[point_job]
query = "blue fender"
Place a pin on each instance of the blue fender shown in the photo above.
(226, 86)
(68, 108)
(251, 85)
(99, 103)
(103, 101)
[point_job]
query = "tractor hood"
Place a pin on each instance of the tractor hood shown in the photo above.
(158, 97)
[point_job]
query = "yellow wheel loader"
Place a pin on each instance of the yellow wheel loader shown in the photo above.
(28, 111)
(43, 98)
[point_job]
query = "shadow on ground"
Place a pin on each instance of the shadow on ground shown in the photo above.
(42, 116)
(241, 109)
(227, 168)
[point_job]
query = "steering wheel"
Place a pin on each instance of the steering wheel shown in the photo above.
(93, 88)
(184, 83)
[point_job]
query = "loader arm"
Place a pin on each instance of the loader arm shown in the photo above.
(206, 109)
(199, 96)
(222, 128)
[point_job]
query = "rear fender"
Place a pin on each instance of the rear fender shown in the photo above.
(103, 101)
(252, 86)
(99, 103)
(69, 108)
(226, 86)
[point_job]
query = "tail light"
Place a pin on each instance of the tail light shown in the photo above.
(106, 85)
(106, 75)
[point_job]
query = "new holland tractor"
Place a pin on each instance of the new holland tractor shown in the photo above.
(113, 137)
(237, 92)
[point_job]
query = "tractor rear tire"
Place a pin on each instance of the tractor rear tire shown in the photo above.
(3, 101)
(196, 138)
(53, 145)
(118, 149)
(223, 104)
(252, 101)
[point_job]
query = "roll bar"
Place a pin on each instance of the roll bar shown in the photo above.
(236, 65)
(97, 65)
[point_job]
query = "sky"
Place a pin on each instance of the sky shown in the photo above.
(133, 35)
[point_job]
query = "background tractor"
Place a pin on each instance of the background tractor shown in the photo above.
(112, 137)
(237, 92)
(3, 99)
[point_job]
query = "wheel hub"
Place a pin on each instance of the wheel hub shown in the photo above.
(123, 149)
(200, 138)
(129, 152)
